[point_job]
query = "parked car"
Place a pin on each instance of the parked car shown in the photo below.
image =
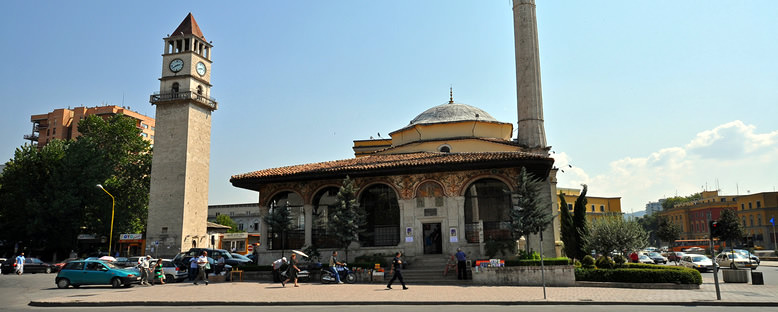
(31, 265)
(213, 253)
(95, 272)
(62, 263)
(657, 257)
(694, 250)
(645, 259)
(735, 260)
(675, 256)
(698, 262)
(745, 253)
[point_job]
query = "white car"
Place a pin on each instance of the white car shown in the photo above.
(735, 261)
(698, 262)
(645, 259)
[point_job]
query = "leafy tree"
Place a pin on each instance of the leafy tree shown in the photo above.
(53, 193)
(226, 220)
(567, 230)
(279, 220)
(668, 231)
(346, 218)
(650, 224)
(672, 201)
(729, 227)
(530, 215)
(614, 233)
(579, 221)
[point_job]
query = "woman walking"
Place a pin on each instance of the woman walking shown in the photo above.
(292, 271)
(158, 273)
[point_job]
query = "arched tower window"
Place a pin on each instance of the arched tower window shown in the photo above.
(200, 90)
(488, 200)
(445, 148)
(293, 238)
(174, 88)
(383, 216)
(323, 202)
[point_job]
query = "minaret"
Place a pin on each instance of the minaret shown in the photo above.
(178, 200)
(531, 132)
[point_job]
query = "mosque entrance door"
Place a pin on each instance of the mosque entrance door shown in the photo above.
(433, 241)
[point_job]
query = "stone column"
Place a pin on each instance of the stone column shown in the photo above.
(308, 208)
(531, 132)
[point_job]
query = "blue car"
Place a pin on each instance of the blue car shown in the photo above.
(95, 272)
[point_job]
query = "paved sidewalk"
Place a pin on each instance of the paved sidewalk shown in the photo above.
(264, 294)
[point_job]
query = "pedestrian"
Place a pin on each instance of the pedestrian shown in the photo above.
(277, 265)
(158, 273)
(292, 271)
(634, 257)
(202, 266)
(192, 268)
(143, 268)
(19, 264)
(333, 266)
(461, 264)
(256, 253)
(397, 266)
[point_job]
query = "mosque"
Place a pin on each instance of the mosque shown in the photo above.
(444, 181)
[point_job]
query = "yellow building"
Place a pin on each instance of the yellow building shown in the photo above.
(596, 207)
(754, 211)
(62, 123)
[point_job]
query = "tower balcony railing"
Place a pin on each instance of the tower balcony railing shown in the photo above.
(160, 97)
(31, 137)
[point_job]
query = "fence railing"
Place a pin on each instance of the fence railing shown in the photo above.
(185, 95)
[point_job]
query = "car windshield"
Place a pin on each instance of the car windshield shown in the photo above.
(699, 258)
(654, 254)
(110, 265)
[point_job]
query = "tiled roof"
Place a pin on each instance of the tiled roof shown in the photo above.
(383, 163)
(188, 27)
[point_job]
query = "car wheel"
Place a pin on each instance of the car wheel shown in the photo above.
(63, 283)
(116, 282)
(732, 266)
(169, 278)
(48, 270)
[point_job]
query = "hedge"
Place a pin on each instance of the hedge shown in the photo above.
(547, 261)
(641, 275)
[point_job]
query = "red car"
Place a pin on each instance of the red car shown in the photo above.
(59, 265)
(675, 256)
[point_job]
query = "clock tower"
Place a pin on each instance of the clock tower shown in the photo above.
(178, 200)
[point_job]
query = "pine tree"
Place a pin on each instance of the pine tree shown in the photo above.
(347, 219)
(567, 231)
(530, 215)
(579, 221)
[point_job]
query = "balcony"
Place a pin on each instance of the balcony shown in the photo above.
(31, 137)
(162, 97)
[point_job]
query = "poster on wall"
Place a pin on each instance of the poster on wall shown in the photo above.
(409, 235)
(453, 235)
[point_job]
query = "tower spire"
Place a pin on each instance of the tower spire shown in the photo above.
(531, 131)
(450, 95)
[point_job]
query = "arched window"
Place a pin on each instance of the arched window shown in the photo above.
(383, 216)
(445, 148)
(200, 90)
(323, 201)
(488, 200)
(174, 89)
(294, 237)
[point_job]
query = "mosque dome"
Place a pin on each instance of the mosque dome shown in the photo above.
(451, 112)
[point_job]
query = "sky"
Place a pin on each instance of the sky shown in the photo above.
(642, 99)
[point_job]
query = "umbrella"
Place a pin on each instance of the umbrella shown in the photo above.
(300, 253)
(107, 258)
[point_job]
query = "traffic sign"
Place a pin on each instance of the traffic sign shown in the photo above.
(250, 248)
(772, 220)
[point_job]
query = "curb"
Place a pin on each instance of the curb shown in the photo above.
(710, 303)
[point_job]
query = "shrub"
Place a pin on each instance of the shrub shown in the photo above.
(619, 260)
(587, 262)
(641, 275)
(577, 264)
(604, 263)
(524, 255)
(546, 261)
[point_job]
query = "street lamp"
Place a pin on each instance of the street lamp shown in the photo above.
(113, 204)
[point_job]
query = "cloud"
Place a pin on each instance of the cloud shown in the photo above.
(732, 153)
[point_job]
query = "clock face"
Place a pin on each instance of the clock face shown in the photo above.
(201, 68)
(176, 65)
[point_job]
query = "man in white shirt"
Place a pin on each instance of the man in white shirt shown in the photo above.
(277, 269)
(19, 264)
(143, 267)
(202, 265)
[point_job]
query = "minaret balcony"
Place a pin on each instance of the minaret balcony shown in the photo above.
(168, 97)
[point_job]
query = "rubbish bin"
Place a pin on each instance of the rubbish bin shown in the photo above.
(757, 278)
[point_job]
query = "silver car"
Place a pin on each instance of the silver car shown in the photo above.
(735, 261)
(698, 262)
